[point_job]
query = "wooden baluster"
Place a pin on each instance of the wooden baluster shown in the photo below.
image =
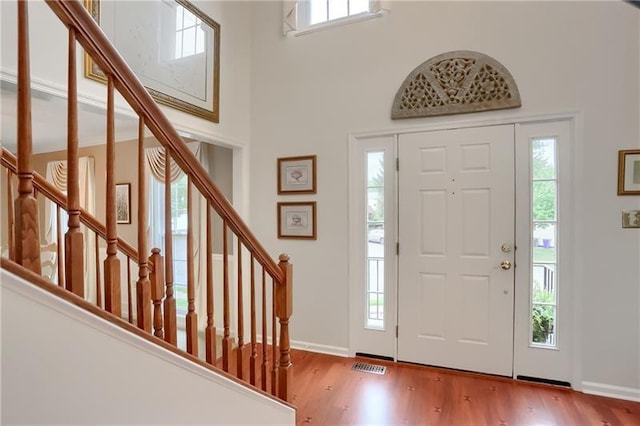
(253, 360)
(129, 295)
(74, 239)
(111, 263)
(226, 340)
(192, 317)
(264, 330)
(274, 339)
(27, 231)
(143, 290)
(284, 309)
(210, 331)
(10, 217)
(240, 351)
(157, 290)
(170, 328)
(98, 283)
(59, 246)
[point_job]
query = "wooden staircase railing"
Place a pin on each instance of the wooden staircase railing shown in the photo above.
(154, 297)
(45, 191)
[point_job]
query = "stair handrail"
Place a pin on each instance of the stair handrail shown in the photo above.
(89, 34)
(45, 188)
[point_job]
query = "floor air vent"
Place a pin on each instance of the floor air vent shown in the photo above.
(369, 368)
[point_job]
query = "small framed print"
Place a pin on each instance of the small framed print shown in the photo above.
(631, 218)
(297, 220)
(297, 175)
(123, 203)
(629, 172)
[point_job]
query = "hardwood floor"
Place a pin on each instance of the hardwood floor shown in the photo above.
(327, 392)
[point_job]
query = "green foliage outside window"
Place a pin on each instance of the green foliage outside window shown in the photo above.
(543, 316)
(544, 192)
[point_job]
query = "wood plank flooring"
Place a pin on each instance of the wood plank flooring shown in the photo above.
(326, 391)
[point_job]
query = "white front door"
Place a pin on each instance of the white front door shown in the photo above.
(456, 228)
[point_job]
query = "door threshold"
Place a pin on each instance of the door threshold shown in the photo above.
(559, 383)
(380, 357)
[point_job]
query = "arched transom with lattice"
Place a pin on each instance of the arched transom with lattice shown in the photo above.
(453, 83)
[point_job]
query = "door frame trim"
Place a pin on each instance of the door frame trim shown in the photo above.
(576, 121)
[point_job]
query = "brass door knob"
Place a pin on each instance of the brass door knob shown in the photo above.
(505, 265)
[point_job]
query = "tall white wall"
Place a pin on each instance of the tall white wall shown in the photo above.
(309, 92)
(67, 366)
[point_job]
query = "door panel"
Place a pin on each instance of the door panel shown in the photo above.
(456, 210)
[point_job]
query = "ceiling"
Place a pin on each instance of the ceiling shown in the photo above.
(49, 121)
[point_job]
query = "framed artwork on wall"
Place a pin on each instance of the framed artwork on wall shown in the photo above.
(629, 172)
(123, 203)
(297, 220)
(171, 46)
(297, 175)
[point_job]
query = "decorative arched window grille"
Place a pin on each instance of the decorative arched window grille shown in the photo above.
(453, 83)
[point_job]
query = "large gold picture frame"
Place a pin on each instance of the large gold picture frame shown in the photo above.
(154, 38)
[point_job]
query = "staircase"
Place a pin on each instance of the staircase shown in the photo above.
(260, 358)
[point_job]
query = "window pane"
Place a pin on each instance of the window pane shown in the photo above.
(200, 41)
(374, 163)
(189, 19)
(179, 44)
(376, 275)
(544, 158)
(544, 243)
(544, 288)
(179, 13)
(338, 9)
(189, 42)
(544, 200)
(375, 169)
(318, 11)
(543, 324)
(358, 6)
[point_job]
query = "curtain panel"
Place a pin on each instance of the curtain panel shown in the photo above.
(57, 172)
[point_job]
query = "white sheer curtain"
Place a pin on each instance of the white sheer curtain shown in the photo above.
(155, 165)
(57, 174)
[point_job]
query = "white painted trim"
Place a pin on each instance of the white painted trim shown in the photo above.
(514, 118)
(17, 285)
(322, 349)
(611, 391)
(365, 16)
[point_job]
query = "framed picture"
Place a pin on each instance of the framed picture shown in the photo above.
(123, 203)
(629, 172)
(171, 46)
(631, 218)
(297, 220)
(297, 175)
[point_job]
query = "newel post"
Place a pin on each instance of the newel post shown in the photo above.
(284, 309)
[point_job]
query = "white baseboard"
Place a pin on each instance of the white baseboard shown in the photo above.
(323, 349)
(619, 392)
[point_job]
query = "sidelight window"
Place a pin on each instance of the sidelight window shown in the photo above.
(544, 238)
(375, 239)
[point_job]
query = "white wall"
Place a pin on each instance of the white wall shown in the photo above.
(309, 92)
(67, 366)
